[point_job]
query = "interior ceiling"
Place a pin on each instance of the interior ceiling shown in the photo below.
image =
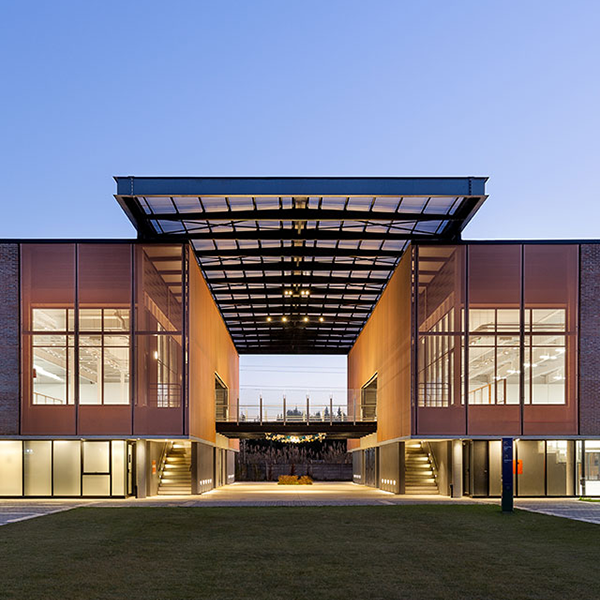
(296, 265)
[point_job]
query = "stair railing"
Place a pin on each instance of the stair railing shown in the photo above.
(432, 461)
(163, 459)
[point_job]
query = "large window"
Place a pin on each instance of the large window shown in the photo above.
(508, 356)
(53, 356)
(104, 347)
(436, 366)
(494, 356)
(545, 349)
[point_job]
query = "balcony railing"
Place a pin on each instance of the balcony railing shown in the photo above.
(341, 408)
(164, 395)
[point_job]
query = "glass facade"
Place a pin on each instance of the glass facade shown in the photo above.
(541, 468)
(440, 277)
(159, 333)
(39, 468)
(497, 331)
(86, 320)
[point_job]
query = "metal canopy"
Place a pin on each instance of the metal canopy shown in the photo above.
(297, 264)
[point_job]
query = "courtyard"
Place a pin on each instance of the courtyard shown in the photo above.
(445, 551)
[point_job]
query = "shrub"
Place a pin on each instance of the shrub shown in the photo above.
(288, 480)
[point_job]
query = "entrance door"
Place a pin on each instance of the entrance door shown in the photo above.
(371, 467)
(592, 468)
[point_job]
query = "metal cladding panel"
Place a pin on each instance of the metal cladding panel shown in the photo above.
(295, 186)
(384, 349)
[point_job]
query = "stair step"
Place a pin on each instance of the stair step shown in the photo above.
(176, 477)
(419, 474)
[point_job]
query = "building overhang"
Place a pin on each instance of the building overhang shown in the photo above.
(297, 264)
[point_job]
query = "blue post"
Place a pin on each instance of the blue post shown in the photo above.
(507, 475)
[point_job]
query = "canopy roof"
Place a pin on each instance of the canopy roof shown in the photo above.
(297, 264)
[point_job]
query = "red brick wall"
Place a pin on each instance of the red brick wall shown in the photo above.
(589, 351)
(9, 339)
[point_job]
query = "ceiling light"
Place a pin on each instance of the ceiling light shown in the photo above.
(305, 319)
(284, 319)
(321, 319)
(269, 319)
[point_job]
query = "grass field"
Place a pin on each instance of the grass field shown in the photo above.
(387, 552)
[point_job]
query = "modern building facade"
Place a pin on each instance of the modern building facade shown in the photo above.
(119, 359)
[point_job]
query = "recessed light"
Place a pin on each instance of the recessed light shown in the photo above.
(269, 319)
(321, 319)
(305, 319)
(284, 319)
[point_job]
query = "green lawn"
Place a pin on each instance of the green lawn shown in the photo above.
(416, 552)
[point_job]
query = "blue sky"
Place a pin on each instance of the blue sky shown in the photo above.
(504, 89)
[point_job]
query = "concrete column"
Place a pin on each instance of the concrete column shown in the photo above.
(571, 468)
(140, 468)
(195, 478)
(401, 468)
(457, 469)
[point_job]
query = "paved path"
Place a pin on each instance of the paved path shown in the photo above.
(12, 511)
(569, 508)
(271, 494)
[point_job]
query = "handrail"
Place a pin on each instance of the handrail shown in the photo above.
(162, 461)
(283, 411)
(53, 400)
(489, 387)
(432, 460)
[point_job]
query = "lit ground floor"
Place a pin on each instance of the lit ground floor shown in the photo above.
(103, 468)
(473, 468)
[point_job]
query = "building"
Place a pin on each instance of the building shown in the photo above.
(119, 358)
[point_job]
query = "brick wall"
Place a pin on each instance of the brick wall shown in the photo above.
(9, 339)
(589, 357)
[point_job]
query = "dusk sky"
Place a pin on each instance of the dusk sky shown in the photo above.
(508, 90)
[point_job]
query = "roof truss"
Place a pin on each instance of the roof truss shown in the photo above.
(296, 265)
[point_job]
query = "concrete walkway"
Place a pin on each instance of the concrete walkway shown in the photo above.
(270, 494)
(13, 511)
(569, 508)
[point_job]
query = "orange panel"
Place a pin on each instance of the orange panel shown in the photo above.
(384, 348)
(47, 281)
(211, 352)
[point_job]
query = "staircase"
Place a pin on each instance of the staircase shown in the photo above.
(176, 476)
(420, 478)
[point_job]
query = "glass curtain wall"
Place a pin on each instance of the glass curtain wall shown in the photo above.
(440, 280)
(79, 339)
(494, 339)
(39, 468)
(541, 468)
(508, 365)
(159, 334)
(550, 305)
(48, 327)
(104, 338)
